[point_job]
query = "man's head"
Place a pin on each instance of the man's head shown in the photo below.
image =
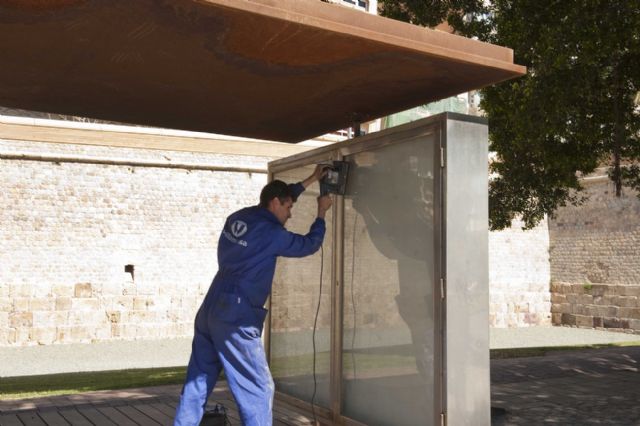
(278, 198)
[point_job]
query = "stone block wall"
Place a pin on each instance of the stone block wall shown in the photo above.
(519, 275)
(99, 251)
(595, 260)
(121, 244)
(602, 306)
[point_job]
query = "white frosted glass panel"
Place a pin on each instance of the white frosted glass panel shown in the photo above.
(388, 341)
(295, 294)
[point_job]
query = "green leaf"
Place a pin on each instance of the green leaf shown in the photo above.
(574, 111)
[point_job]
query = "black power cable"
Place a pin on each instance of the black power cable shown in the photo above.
(313, 339)
(315, 321)
(353, 299)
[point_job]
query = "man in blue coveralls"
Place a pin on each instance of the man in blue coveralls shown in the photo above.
(229, 322)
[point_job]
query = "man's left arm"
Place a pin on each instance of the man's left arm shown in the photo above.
(317, 174)
(298, 188)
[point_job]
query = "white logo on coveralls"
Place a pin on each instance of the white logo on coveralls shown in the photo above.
(238, 228)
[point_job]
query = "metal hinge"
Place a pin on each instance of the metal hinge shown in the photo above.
(442, 156)
(442, 288)
(443, 419)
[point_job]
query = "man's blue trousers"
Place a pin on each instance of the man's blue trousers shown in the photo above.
(234, 344)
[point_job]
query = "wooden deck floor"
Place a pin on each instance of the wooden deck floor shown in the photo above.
(142, 407)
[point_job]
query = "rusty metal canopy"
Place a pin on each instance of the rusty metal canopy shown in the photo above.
(284, 70)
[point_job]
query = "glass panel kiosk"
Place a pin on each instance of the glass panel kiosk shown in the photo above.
(388, 323)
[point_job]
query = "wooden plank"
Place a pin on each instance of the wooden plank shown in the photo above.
(74, 417)
(298, 414)
(292, 404)
(116, 416)
(95, 416)
(155, 414)
(172, 403)
(164, 408)
(10, 420)
(31, 418)
(136, 415)
(53, 418)
(293, 417)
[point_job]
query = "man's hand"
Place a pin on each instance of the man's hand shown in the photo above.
(324, 204)
(317, 174)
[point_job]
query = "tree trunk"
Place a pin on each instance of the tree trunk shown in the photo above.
(618, 132)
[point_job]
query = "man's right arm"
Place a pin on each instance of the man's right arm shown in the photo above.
(290, 244)
(324, 204)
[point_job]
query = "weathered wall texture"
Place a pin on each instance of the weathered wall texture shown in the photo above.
(69, 229)
(595, 260)
(519, 275)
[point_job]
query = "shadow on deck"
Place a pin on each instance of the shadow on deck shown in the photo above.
(149, 406)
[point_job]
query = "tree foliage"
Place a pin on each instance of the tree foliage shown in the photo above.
(573, 112)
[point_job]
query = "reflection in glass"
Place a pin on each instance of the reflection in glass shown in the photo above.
(388, 340)
(294, 300)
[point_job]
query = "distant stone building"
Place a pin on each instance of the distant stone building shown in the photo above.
(595, 260)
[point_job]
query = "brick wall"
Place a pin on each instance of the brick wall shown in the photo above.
(69, 230)
(595, 260)
(519, 275)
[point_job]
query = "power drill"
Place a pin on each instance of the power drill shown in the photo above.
(335, 181)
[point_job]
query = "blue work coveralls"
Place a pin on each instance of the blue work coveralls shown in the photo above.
(229, 323)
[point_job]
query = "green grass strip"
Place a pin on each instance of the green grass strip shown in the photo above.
(70, 383)
(547, 350)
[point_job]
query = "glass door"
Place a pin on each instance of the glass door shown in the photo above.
(389, 305)
(302, 288)
(377, 341)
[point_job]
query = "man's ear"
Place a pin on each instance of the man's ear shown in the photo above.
(271, 203)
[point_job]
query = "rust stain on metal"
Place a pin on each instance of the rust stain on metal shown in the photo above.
(39, 4)
(286, 70)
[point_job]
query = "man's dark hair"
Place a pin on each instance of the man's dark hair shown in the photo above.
(275, 189)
